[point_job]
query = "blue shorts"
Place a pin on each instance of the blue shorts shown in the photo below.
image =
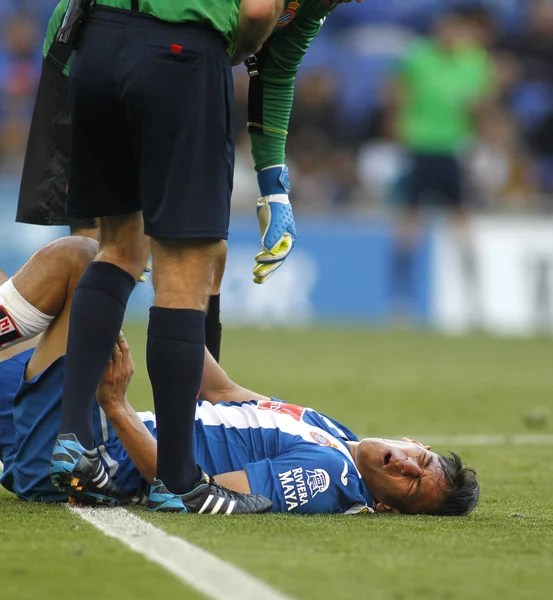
(29, 435)
(152, 125)
(11, 375)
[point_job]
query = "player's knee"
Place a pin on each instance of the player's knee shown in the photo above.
(65, 256)
(83, 251)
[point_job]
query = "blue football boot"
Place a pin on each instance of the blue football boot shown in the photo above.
(81, 474)
(206, 497)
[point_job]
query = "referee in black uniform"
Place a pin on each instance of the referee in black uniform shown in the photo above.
(152, 152)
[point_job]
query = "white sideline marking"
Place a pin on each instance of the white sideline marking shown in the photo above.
(196, 567)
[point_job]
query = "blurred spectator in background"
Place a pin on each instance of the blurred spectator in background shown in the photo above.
(313, 136)
(345, 154)
(382, 159)
(498, 169)
(530, 52)
(324, 162)
(443, 82)
(19, 73)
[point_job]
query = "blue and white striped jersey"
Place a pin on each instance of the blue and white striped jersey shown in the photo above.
(295, 456)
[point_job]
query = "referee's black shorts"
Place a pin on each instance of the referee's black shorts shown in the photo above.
(43, 191)
(152, 129)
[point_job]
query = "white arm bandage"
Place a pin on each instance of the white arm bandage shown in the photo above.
(19, 320)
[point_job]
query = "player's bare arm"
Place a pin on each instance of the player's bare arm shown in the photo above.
(257, 20)
(139, 443)
(218, 387)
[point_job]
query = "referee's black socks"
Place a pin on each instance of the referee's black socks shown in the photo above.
(97, 313)
(175, 354)
(213, 327)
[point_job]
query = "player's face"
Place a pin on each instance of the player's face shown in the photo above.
(401, 474)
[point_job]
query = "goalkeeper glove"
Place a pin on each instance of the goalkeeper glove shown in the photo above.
(276, 221)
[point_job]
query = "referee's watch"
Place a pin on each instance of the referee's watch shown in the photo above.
(252, 66)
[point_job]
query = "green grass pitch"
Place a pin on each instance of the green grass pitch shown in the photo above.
(379, 384)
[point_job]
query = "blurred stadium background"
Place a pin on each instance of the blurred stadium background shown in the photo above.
(364, 256)
(363, 259)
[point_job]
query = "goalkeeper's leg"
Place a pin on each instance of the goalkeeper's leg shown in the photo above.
(213, 327)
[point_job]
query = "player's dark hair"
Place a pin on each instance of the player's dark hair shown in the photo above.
(463, 491)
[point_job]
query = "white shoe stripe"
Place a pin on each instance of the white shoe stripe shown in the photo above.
(217, 506)
(230, 507)
(206, 504)
(100, 474)
(104, 481)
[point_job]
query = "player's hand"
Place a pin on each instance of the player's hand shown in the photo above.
(276, 221)
(112, 389)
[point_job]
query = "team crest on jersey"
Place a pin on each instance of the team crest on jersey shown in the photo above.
(288, 15)
(320, 438)
(318, 481)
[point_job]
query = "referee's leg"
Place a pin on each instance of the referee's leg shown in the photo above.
(180, 97)
(213, 326)
(183, 275)
(103, 182)
(97, 315)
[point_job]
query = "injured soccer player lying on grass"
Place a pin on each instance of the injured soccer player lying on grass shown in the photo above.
(298, 458)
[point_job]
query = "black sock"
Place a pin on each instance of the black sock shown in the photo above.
(213, 327)
(97, 314)
(175, 357)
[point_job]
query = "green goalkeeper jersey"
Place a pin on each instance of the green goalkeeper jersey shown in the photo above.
(53, 26)
(272, 91)
(221, 14)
